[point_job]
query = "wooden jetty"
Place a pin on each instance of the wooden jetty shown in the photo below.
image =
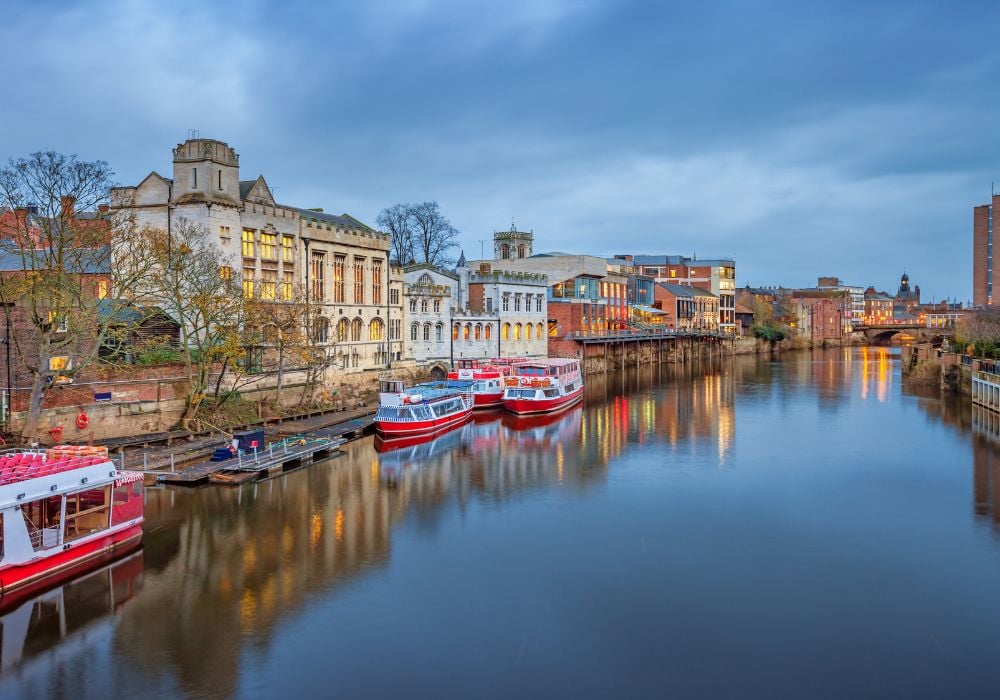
(276, 457)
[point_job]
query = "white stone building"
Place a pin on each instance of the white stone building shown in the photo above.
(282, 251)
(482, 314)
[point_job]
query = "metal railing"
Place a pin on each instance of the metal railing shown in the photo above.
(636, 333)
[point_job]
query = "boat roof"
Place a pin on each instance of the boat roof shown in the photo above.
(550, 362)
(438, 390)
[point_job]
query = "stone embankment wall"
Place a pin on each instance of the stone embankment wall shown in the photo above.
(925, 364)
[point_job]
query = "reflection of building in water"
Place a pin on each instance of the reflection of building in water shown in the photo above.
(70, 616)
(876, 373)
(243, 558)
(986, 463)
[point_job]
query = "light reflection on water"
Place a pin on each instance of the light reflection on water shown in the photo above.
(801, 527)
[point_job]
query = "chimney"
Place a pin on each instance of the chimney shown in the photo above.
(102, 208)
(21, 214)
(67, 205)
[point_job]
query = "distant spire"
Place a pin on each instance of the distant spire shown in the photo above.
(513, 229)
(461, 260)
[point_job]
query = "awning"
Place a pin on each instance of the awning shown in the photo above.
(649, 310)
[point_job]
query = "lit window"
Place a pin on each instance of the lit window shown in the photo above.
(249, 249)
(269, 246)
(286, 286)
(102, 289)
(225, 273)
(288, 248)
(267, 288)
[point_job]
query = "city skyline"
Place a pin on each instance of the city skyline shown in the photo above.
(800, 141)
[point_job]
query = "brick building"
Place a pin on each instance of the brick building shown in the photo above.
(715, 275)
(982, 253)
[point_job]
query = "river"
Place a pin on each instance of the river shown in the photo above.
(806, 527)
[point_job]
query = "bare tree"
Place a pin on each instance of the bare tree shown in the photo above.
(398, 222)
(194, 283)
(67, 270)
(434, 235)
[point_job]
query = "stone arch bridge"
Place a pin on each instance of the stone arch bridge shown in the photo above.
(882, 334)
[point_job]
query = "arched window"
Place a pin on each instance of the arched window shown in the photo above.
(454, 332)
(425, 280)
(439, 332)
(342, 326)
(427, 331)
(478, 332)
(321, 331)
(527, 331)
(356, 326)
(539, 328)
(465, 331)
(504, 251)
(414, 331)
(520, 251)
(517, 331)
(505, 331)
(423, 306)
(489, 331)
(376, 329)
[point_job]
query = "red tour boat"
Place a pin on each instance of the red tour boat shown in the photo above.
(61, 511)
(543, 386)
(423, 409)
(487, 387)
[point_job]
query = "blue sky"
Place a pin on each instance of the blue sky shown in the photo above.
(801, 138)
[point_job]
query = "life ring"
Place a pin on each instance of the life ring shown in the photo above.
(82, 420)
(524, 381)
(56, 433)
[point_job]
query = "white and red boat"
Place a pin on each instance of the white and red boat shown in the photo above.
(543, 386)
(61, 512)
(425, 409)
(487, 381)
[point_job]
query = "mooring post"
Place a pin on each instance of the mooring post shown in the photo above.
(172, 467)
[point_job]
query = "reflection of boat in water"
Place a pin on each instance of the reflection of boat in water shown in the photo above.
(401, 453)
(32, 625)
(543, 428)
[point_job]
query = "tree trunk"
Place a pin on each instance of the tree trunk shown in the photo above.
(281, 376)
(30, 428)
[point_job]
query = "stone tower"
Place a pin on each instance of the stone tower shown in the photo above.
(512, 244)
(206, 171)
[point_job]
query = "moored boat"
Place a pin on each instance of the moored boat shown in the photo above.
(487, 379)
(61, 511)
(543, 386)
(423, 409)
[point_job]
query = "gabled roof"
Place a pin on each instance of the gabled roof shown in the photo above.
(430, 268)
(676, 289)
(156, 175)
(256, 189)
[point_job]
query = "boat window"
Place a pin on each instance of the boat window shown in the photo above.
(127, 502)
(550, 393)
(570, 387)
(521, 393)
(87, 512)
(41, 517)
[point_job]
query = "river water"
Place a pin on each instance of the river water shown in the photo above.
(806, 527)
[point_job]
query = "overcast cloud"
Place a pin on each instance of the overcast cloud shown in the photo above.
(801, 138)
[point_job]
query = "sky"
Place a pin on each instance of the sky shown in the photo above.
(800, 138)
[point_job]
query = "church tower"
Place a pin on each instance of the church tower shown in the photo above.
(512, 244)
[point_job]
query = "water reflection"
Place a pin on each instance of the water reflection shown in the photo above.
(224, 568)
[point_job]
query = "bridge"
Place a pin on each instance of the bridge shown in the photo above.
(878, 334)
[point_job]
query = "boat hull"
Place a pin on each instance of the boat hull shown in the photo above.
(527, 407)
(488, 400)
(423, 427)
(19, 580)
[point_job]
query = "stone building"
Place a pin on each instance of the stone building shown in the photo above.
(483, 314)
(281, 251)
(345, 268)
